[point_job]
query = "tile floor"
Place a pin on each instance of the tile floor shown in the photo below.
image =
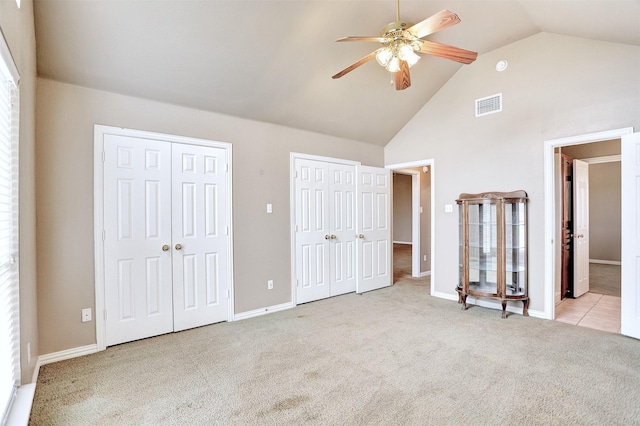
(591, 310)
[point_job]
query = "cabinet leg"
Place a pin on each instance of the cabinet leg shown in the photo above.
(464, 302)
(525, 308)
(504, 309)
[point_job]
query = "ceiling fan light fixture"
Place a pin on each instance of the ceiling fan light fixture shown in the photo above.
(407, 54)
(391, 55)
(383, 56)
(393, 65)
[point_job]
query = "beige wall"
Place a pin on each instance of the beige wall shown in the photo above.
(402, 222)
(555, 86)
(18, 30)
(593, 149)
(66, 116)
(605, 207)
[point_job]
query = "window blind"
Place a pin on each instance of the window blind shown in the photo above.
(9, 290)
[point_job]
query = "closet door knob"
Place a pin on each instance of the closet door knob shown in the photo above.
(333, 237)
(361, 236)
(178, 246)
(165, 247)
(326, 237)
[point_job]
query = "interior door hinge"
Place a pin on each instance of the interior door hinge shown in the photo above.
(104, 156)
(104, 235)
(226, 230)
(228, 294)
(105, 314)
(226, 167)
(295, 173)
(297, 282)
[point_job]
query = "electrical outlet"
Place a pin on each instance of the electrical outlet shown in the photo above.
(448, 208)
(29, 353)
(270, 285)
(424, 258)
(86, 314)
(269, 208)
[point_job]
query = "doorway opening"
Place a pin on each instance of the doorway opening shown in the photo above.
(413, 222)
(594, 301)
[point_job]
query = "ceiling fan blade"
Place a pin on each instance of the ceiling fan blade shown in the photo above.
(447, 52)
(373, 39)
(403, 78)
(356, 64)
(439, 21)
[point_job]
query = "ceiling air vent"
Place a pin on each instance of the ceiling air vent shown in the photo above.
(489, 105)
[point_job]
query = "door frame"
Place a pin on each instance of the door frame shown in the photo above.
(550, 206)
(293, 156)
(98, 208)
(421, 163)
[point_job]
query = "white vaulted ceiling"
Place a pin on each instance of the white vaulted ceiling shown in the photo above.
(272, 60)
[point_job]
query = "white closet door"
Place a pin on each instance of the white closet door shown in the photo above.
(312, 235)
(342, 220)
(374, 210)
(200, 236)
(137, 224)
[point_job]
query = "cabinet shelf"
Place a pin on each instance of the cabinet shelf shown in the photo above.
(493, 247)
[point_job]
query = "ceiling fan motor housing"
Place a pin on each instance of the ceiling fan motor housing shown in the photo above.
(398, 26)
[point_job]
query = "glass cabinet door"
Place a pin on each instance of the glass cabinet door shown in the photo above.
(483, 253)
(516, 249)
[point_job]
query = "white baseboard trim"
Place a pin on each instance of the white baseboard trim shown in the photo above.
(486, 303)
(605, 262)
(403, 242)
(538, 314)
(515, 308)
(61, 356)
(263, 311)
(447, 296)
(21, 407)
(425, 274)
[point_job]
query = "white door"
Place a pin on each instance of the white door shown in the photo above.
(374, 228)
(199, 236)
(166, 239)
(312, 235)
(342, 224)
(137, 224)
(630, 235)
(580, 228)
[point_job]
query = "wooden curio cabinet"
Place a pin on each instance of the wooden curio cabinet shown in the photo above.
(493, 247)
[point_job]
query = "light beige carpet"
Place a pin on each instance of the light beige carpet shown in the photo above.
(389, 357)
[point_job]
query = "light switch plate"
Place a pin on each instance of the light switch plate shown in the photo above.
(269, 208)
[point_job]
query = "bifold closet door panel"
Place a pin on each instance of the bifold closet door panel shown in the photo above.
(200, 236)
(374, 226)
(343, 237)
(137, 222)
(312, 235)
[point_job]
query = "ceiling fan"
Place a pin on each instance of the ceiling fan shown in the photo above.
(401, 40)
